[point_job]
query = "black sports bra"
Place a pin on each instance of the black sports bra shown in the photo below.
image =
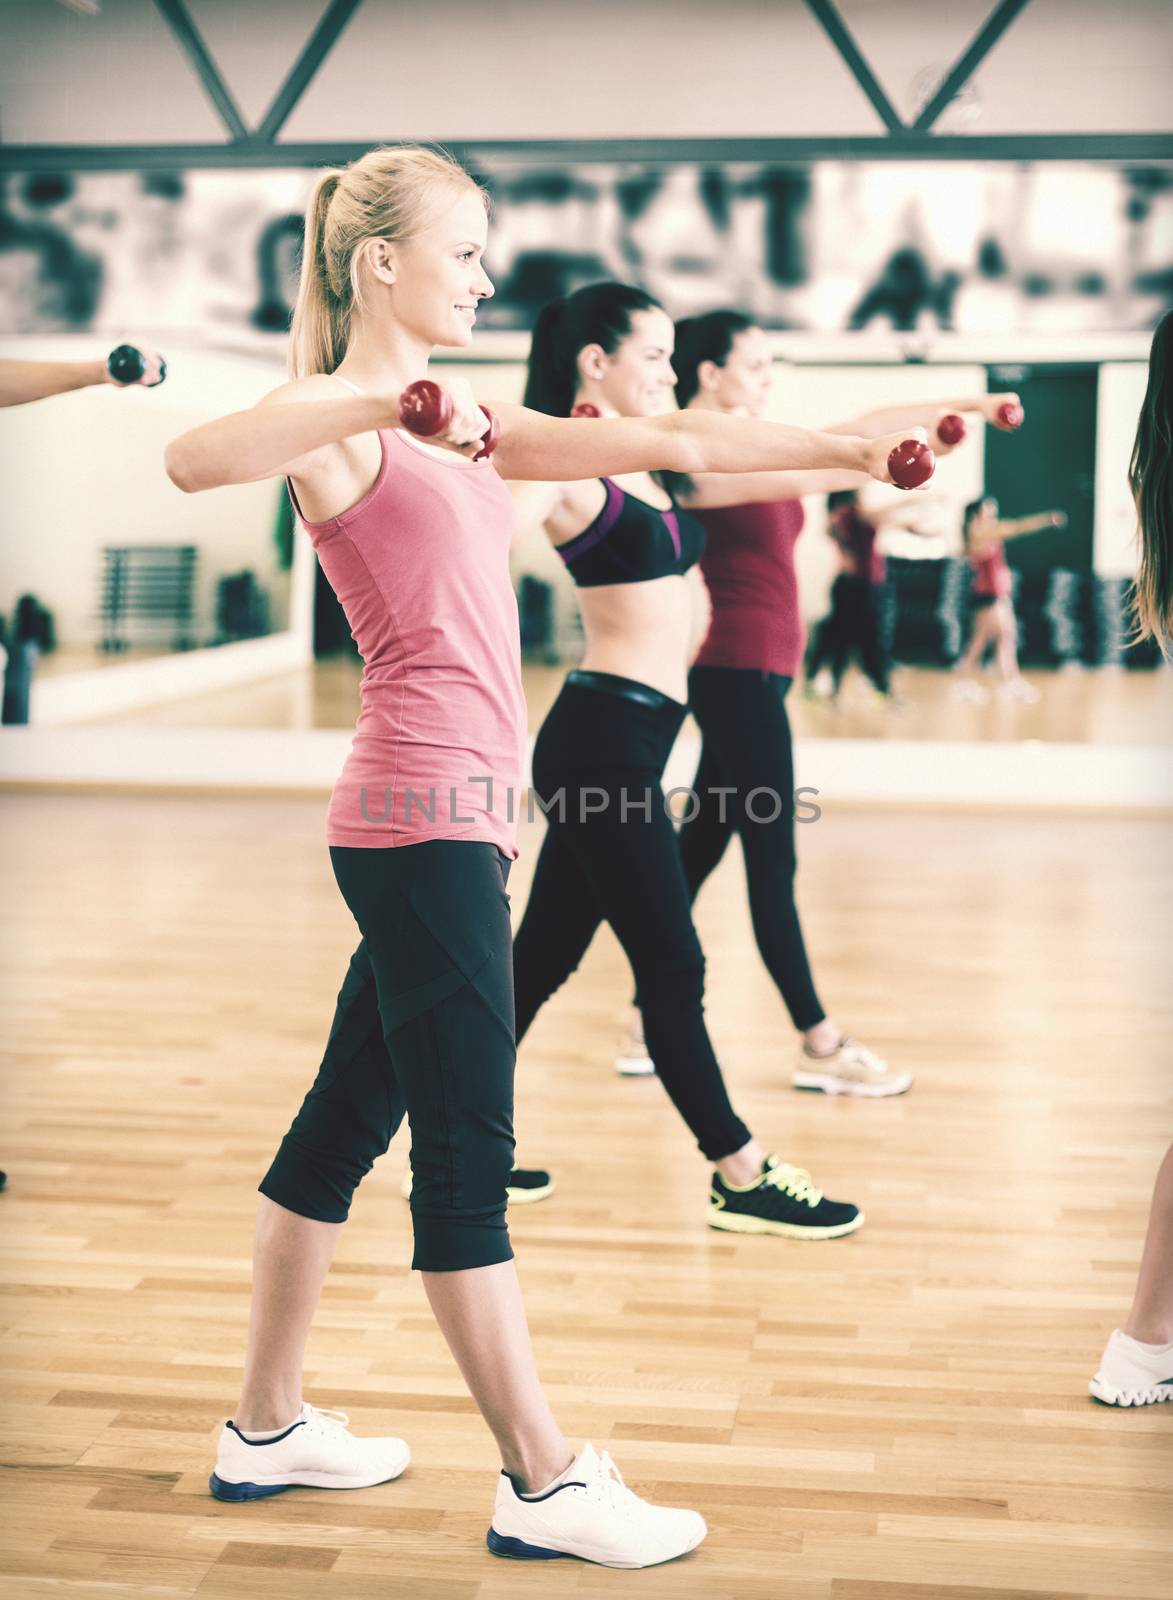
(631, 541)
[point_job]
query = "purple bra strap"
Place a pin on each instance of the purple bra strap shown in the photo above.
(599, 528)
(674, 529)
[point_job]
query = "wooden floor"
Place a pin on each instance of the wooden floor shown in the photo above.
(902, 1413)
(1109, 706)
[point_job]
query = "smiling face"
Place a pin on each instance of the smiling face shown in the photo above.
(636, 378)
(741, 384)
(436, 278)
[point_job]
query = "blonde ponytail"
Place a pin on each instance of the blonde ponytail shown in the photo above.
(390, 194)
(321, 321)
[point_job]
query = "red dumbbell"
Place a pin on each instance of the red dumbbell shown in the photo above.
(951, 429)
(426, 409)
(1010, 416)
(911, 464)
(585, 409)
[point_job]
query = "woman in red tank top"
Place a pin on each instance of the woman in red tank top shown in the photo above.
(738, 687)
(994, 623)
(414, 538)
(855, 624)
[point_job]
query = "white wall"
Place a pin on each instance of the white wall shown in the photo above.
(1118, 402)
(85, 470)
(525, 69)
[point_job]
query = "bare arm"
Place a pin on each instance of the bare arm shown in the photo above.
(711, 491)
(284, 435)
(1045, 519)
(1014, 529)
(557, 449)
(22, 381)
(922, 414)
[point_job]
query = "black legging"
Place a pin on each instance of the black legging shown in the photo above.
(424, 1024)
(747, 748)
(854, 624)
(610, 855)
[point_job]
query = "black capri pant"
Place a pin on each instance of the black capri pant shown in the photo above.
(610, 855)
(745, 785)
(424, 1026)
(855, 623)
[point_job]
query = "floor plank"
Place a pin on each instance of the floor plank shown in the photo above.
(901, 1415)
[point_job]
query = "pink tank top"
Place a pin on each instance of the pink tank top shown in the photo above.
(421, 567)
(992, 574)
(748, 566)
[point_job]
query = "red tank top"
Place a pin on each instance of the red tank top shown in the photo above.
(992, 570)
(748, 566)
(421, 568)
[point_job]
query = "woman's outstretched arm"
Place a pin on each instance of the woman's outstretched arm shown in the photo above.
(558, 449)
(25, 381)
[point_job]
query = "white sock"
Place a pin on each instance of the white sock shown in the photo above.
(1150, 1349)
(259, 1438)
(823, 1055)
(553, 1484)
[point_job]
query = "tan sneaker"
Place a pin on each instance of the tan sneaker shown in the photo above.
(851, 1069)
(632, 1059)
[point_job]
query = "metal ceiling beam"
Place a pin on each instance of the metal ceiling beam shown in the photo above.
(966, 65)
(907, 146)
(335, 17)
(177, 17)
(827, 14)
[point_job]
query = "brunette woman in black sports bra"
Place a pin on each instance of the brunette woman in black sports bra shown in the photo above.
(610, 853)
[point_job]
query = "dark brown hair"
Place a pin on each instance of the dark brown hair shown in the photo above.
(1150, 477)
(600, 313)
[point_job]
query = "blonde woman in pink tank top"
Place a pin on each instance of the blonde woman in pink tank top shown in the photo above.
(421, 831)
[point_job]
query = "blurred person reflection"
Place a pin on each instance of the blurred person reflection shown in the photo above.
(902, 292)
(47, 285)
(278, 266)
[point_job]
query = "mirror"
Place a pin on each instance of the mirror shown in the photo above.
(880, 283)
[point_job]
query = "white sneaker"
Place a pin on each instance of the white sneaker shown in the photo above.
(593, 1515)
(852, 1069)
(315, 1452)
(967, 689)
(633, 1060)
(1018, 689)
(1131, 1374)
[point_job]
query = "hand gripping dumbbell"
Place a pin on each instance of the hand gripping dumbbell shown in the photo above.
(911, 464)
(127, 365)
(426, 409)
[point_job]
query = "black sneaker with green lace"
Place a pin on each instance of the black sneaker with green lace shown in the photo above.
(783, 1200)
(525, 1186)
